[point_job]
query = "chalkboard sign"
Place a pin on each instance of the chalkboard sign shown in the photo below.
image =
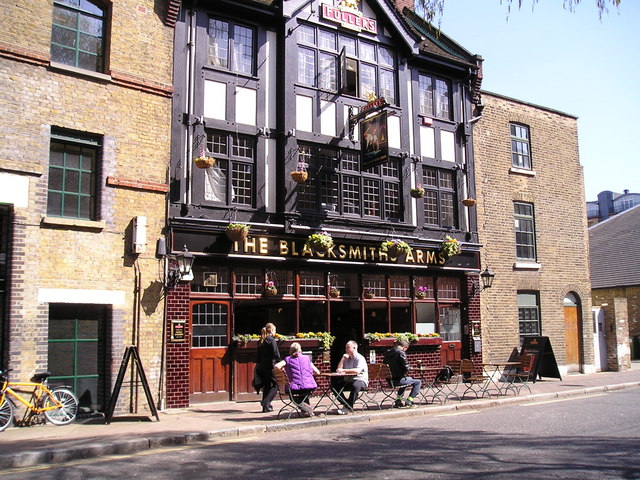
(544, 363)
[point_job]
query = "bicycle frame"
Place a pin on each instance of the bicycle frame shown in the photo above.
(40, 391)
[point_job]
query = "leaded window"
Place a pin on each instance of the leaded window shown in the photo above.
(440, 196)
(77, 34)
(231, 46)
(338, 185)
(367, 68)
(435, 97)
(231, 179)
(209, 325)
(73, 161)
(525, 231)
(520, 148)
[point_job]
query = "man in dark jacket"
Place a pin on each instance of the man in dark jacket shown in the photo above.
(396, 358)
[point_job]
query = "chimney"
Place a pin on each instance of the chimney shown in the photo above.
(400, 4)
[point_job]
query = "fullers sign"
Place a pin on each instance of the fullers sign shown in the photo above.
(349, 17)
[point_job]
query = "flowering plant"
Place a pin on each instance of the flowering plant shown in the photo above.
(300, 174)
(417, 192)
(270, 287)
(238, 226)
(369, 293)
(450, 247)
(320, 241)
(326, 339)
(408, 336)
(395, 247)
(245, 337)
(421, 291)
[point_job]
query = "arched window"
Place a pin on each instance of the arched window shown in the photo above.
(77, 36)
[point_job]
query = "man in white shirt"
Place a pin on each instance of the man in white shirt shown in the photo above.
(354, 366)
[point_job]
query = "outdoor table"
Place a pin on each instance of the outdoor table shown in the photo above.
(328, 391)
(493, 372)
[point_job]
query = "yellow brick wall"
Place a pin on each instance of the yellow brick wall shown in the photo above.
(136, 126)
(557, 192)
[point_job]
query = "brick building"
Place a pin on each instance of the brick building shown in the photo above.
(532, 223)
(615, 283)
(368, 101)
(267, 89)
(85, 102)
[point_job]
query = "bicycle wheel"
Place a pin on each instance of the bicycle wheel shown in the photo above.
(6, 414)
(67, 412)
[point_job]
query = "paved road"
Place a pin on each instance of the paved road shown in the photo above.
(592, 437)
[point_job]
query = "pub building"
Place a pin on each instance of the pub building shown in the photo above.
(348, 118)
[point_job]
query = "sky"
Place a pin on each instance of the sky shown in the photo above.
(572, 62)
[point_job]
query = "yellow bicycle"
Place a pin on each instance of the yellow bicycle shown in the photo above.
(58, 404)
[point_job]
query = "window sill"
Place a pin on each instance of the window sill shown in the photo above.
(80, 71)
(522, 171)
(527, 266)
(72, 222)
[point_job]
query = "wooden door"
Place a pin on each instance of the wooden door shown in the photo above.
(450, 351)
(572, 338)
(209, 365)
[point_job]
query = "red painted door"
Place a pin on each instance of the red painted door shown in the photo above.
(209, 366)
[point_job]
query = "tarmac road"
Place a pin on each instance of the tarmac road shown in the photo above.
(594, 436)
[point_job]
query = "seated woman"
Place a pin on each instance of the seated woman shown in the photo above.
(300, 373)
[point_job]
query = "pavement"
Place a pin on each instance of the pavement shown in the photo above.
(90, 438)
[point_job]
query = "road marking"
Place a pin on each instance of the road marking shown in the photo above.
(464, 412)
(530, 404)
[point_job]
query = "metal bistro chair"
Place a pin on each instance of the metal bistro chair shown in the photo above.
(367, 395)
(474, 383)
(289, 404)
(518, 378)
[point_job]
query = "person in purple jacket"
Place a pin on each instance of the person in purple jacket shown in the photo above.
(300, 371)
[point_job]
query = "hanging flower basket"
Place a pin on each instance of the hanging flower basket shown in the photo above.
(320, 241)
(417, 192)
(299, 176)
(395, 248)
(421, 292)
(368, 294)
(334, 293)
(450, 247)
(270, 289)
(237, 232)
(469, 202)
(203, 161)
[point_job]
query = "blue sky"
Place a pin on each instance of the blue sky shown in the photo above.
(572, 62)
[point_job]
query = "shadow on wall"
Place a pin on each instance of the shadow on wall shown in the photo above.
(152, 296)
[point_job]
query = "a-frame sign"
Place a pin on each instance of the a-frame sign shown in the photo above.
(130, 354)
(544, 364)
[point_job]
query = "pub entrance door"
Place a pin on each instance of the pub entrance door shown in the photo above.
(209, 365)
(572, 332)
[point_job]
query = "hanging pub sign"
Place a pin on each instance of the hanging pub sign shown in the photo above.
(374, 141)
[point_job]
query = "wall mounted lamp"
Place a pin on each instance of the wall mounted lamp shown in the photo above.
(486, 277)
(179, 269)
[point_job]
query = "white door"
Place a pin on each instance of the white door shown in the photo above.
(599, 339)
